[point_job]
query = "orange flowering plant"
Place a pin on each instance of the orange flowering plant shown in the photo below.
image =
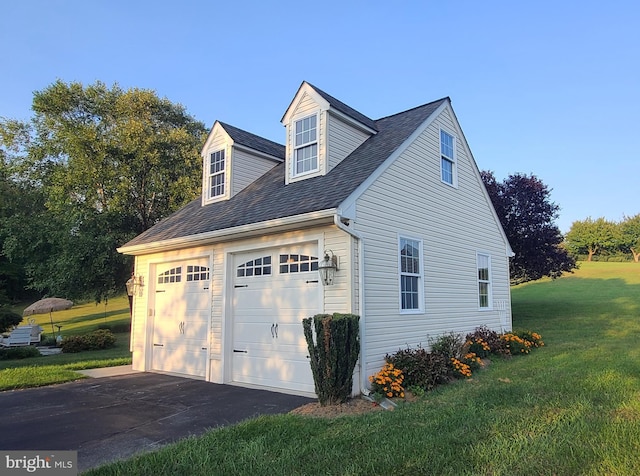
(516, 345)
(388, 382)
(460, 369)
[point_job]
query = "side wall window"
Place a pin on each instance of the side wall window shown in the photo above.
(484, 280)
(411, 274)
(448, 172)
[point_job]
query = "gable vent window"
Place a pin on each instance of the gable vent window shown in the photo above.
(298, 263)
(197, 273)
(174, 275)
(216, 174)
(447, 161)
(306, 145)
(255, 267)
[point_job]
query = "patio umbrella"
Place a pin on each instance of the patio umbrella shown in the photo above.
(48, 305)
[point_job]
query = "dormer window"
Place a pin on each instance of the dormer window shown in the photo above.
(216, 174)
(306, 145)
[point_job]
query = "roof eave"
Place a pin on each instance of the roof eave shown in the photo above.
(243, 231)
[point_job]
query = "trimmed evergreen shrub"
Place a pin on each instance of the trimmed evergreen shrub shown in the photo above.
(8, 319)
(334, 345)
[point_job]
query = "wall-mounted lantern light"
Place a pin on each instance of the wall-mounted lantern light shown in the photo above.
(328, 267)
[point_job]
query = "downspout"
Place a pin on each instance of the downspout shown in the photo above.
(337, 220)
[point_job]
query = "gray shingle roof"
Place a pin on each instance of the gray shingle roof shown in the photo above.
(345, 109)
(268, 198)
(253, 141)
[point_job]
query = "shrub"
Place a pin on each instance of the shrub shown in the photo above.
(388, 382)
(8, 319)
(48, 341)
(100, 339)
(472, 360)
(483, 341)
(96, 340)
(15, 353)
(421, 368)
(460, 369)
(448, 345)
(333, 354)
(515, 344)
(533, 337)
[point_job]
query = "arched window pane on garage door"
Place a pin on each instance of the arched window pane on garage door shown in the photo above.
(197, 273)
(255, 267)
(173, 275)
(295, 263)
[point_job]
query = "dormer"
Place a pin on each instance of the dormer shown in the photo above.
(232, 159)
(321, 132)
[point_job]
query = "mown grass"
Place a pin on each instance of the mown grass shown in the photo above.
(82, 317)
(60, 368)
(571, 407)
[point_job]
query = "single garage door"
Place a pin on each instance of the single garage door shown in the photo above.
(182, 314)
(273, 291)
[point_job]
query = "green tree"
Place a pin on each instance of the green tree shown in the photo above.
(592, 236)
(523, 205)
(630, 236)
(110, 164)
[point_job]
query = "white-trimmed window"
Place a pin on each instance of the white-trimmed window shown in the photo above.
(216, 174)
(411, 278)
(447, 158)
(305, 145)
(484, 280)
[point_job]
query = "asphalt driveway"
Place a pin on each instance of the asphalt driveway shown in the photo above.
(111, 418)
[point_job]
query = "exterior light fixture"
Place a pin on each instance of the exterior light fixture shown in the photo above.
(328, 267)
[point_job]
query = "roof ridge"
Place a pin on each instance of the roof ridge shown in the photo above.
(430, 103)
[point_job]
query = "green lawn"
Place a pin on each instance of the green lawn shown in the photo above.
(80, 319)
(571, 407)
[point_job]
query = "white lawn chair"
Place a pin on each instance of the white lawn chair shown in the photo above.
(20, 336)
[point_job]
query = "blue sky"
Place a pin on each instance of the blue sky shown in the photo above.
(546, 87)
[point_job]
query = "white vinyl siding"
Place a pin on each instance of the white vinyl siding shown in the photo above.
(342, 140)
(247, 168)
(453, 224)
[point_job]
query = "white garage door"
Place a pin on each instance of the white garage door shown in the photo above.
(273, 291)
(182, 314)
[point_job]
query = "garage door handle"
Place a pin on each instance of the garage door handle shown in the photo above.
(158, 345)
(241, 286)
(240, 351)
(160, 290)
(314, 281)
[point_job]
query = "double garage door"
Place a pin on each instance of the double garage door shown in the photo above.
(182, 314)
(273, 291)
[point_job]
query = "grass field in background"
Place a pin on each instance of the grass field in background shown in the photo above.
(80, 319)
(83, 317)
(569, 408)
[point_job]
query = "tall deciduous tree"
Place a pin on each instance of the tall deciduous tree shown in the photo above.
(592, 236)
(110, 164)
(630, 236)
(523, 205)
